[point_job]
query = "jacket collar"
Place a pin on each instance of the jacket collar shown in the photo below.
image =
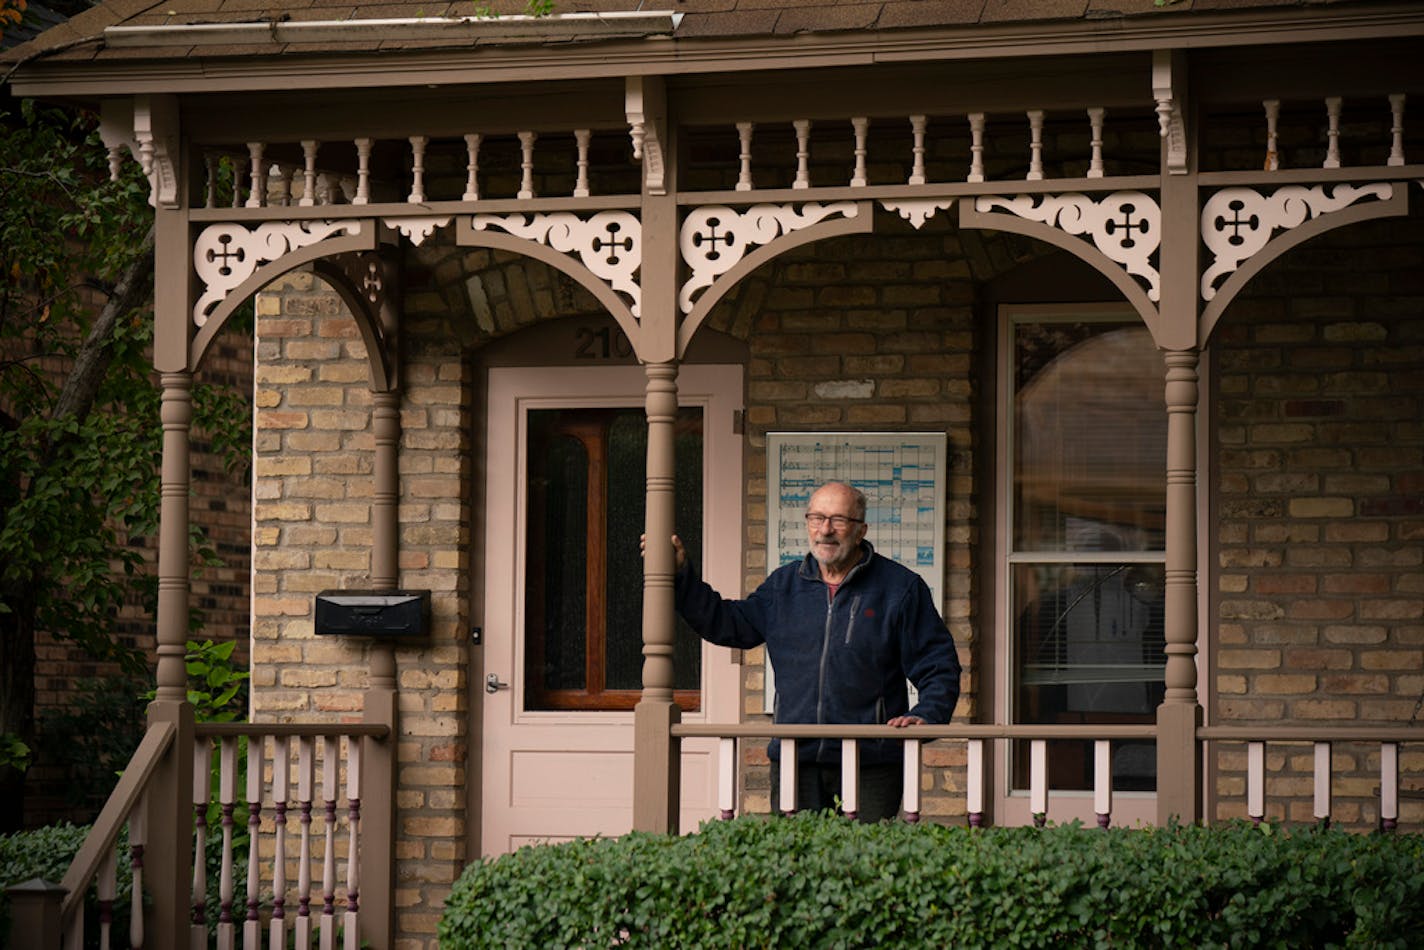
(811, 570)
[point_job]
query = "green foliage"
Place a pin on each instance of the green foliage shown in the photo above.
(822, 881)
(14, 752)
(93, 736)
(46, 853)
(217, 686)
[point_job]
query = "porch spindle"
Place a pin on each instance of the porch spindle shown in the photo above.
(472, 167)
(911, 793)
(281, 764)
(976, 147)
(329, 789)
(363, 172)
(526, 164)
(582, 137)
(1332, 133)
(1095, 120)
(1256, 782)
(1396, 129)
(803, 153)
(107, 886)
(788, 777)
(353, 836)
(1389, 786)
(417, 169)
(727, 778)
(1038, 781)
(227, 801)
(1322, 784)
(210, 181)
(309, 147)
(289, 179)
(202, 774)
(861, 125)
(239, 172)
(1035, 145)
(1273, 118)
(252, 924)
(306, 767)
(850, 777)
(257, 197)
(138, 838)
(744, 136)
(918, 124)
(974, 783)
(1102, 782)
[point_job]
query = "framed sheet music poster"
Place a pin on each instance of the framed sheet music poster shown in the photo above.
(903, 476)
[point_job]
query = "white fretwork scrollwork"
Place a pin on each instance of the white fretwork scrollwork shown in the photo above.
(1238, 222)
(416, 228)
(1125, 225)
(714, 238)
(917, 211)
(225, 255)
(610, 243)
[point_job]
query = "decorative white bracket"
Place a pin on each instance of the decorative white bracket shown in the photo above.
(417, 229)
(714, 238)
(645, 101)
(917, 211)
(225, 255)
(1169, 89)
(1125, 225)
(1236, 223)
(610, 243)
(156, 131)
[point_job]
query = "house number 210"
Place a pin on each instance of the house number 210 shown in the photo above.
(603, 343)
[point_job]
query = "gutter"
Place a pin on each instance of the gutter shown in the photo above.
(442, 29)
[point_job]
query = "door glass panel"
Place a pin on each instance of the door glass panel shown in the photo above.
(1088, 449)
(603, 668)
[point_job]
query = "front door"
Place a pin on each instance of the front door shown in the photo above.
(565, 477)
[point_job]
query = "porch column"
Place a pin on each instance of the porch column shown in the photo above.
(656, 765)
(378, 758)
(1179, 773)
(168, 853)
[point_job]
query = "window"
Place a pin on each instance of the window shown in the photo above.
(1085, 433)
(583, 576)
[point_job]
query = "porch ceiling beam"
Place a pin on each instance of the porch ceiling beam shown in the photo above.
(265, 69)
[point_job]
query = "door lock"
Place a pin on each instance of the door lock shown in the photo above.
(493, 684)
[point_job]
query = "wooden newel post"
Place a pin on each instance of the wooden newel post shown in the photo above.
(1179, 761)
(35, 913)
(656, 765)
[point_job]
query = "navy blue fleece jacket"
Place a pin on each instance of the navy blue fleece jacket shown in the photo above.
(841, 659)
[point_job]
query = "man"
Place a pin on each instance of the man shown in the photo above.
(844, 628)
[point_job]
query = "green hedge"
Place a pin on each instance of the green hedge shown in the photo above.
(816, 880)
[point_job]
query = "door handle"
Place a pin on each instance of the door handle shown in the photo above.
(493, 684)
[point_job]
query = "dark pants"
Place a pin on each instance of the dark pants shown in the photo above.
(818, 787)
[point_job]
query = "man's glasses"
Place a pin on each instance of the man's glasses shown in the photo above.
(838, 522)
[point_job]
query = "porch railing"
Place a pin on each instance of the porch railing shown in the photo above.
(285, 886)
(979, 784)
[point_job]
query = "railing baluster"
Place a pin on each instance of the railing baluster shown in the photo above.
(353, 832)
(239, 171)
(309, 147)
(1322, 783)
(1095, 121)
(107, 886)
(138, 837)
(227, 799)
(1332, 132)
(1035, 145)
(257, 197)
(305, 780)
(363, 171)
(1389, 786)
(1038, 781)
(850, 777)
(788, 777)
(976, 147)
(472, 167)
(281, 764)
(803, 153)
(252, 925)
(582, 138)
(417, 169)
(861, 125)
(328, 862)
(727, 777)
(974, 781)
(1396, 129)
(917, 128)
(1102, 781)
(202, 775)
(526, 164)
(1256, 781)
(911, 792)
(744, 136)
(1273, 118)
(210, 189)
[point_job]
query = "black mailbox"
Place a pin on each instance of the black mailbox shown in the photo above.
(373, 613)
